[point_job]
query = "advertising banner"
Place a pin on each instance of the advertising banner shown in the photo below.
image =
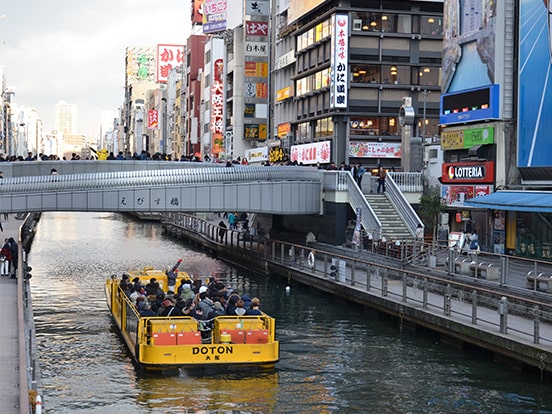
(153, 119)
(362, 149)
(214, 16)
(535, 84)
(316, 152)
(168, 57)
(339, 81)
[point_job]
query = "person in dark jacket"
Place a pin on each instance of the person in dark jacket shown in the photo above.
(14, 256)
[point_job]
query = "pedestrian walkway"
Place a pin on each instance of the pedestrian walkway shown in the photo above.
(471, 310)
(9, 332)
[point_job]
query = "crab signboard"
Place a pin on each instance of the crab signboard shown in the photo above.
(316, 152)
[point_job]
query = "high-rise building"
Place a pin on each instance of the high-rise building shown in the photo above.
(66, 118)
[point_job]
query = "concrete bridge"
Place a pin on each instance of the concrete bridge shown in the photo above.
(160, 186)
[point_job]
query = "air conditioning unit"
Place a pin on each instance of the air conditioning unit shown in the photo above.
(357, 24)
(407, 101)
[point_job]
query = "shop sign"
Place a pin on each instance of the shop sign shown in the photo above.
(339, 82)
(480, 172)
(316, 152)
(256, 28)
(467, 138)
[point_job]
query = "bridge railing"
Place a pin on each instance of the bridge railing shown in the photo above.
(165, 177)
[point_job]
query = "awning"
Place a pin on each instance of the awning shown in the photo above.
(535, 201)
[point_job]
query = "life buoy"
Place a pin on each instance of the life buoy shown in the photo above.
(310, 260)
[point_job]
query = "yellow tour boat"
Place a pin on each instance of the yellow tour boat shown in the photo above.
(170, 342)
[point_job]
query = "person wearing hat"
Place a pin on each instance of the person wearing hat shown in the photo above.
(169, 309)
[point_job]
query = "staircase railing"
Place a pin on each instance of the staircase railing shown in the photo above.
(404, 208)
(343, 181)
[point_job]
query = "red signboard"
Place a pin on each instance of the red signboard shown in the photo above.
(256, 28)
(468, 172)
(153, 119)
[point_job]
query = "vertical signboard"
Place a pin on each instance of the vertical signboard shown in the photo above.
(535, 84)
(153, 119)
(168, 57)
(339, 81)
(217, 107)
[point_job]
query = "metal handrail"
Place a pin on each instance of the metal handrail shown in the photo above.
(405, 209)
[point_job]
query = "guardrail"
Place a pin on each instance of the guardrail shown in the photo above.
(452, 298)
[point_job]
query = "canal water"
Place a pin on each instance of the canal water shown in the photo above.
(335, 357)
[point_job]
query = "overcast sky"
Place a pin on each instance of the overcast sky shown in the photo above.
(74, 50)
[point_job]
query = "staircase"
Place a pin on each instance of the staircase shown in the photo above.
(393, 227)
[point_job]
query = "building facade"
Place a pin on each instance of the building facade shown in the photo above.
(354, 63)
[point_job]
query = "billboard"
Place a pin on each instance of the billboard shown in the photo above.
(470, 105)
(197, 11)
(535, 85)
(140, 65)
(363, 149)
(168, 57)
(468, 44)
(339, 81)
(317, 152)
(467, 138)
(214, 16)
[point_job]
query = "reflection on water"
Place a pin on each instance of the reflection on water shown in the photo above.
(335, 356)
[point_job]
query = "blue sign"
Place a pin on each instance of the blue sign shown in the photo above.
(470, 105)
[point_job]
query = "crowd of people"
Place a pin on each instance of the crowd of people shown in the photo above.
(204, 302)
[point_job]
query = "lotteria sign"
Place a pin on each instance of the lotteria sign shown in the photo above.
(468, 172)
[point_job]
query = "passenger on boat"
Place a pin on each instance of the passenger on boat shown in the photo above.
(156, 303)
(137, 284)
(135, 294)
(169, 309)
(153, 288)
(218, 309)
(124, 283)
(205, 304)
(231, 304)
(240, 310)
(185, 290)
(254, 307)
(144, 309)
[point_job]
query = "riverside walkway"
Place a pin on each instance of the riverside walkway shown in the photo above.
(512, 322)
(10, 379)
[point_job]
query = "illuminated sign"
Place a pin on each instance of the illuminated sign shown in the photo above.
(362, 149)
(259, 49)
(217, 107)
(214, 16)
(477, 172)
(197, 11)
(467, 138)
(256, 28)
(257, 7)
(255, 131)
(257, 154)
(140, 65)
(256, 69)
(470, 105)
(284, 129)
(168, 57)
(317, 152)
(284, 93)
(153, 119)
(339, 82)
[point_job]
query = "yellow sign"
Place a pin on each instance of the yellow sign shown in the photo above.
(452, 140)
